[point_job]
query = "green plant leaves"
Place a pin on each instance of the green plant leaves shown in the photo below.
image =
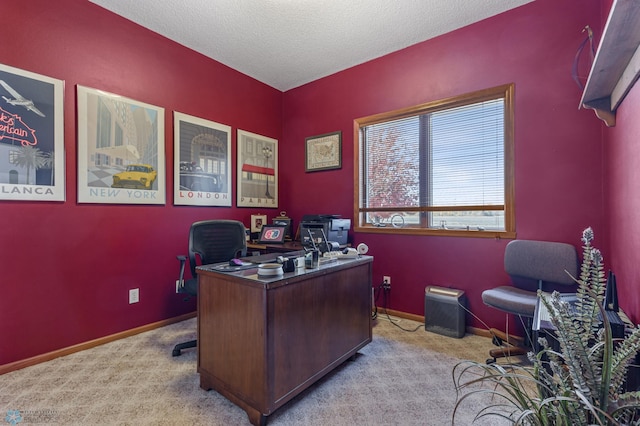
(582, 383)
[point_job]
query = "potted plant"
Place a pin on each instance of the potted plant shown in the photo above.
(581, 383)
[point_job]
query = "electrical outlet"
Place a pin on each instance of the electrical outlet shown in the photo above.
(386, 282)
(134, 295)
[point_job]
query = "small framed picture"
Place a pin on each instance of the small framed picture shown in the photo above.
(257, 222)
(285, 221)
(272, 234)
(323, 152)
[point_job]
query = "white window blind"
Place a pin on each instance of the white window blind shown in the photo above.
(439, 166)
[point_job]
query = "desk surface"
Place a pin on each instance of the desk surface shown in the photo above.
(250, 272)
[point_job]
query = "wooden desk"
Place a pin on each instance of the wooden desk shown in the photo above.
(262, 341)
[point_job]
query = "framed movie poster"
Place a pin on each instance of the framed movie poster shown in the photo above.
(202, 162)
(120, 149)
(31, 136)
(257, 170)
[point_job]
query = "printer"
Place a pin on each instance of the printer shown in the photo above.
(335, 229)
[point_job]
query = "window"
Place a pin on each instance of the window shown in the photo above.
(442, 168)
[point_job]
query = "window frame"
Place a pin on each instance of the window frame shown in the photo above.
(505, 92)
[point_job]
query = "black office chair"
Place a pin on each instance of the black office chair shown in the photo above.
(210, 241)
(531, 265)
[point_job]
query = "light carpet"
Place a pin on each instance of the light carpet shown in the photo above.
(401, 378)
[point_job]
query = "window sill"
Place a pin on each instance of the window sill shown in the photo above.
(435, 232)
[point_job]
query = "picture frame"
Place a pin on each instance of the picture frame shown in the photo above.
(31, 136)
(323, 152)
(120, 149)
(257, 178)
(272, 234)
(257, 222)
(202, 162)
(285, 221)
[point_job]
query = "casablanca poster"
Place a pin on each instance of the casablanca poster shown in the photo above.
(31, 136)
(120, 149)
(257, 170)
(202, 162)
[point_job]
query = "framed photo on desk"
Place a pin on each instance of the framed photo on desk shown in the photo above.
(257, 221)
(285, 221)
(272, 234)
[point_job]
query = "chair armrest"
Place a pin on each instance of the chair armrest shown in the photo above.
(183, 262)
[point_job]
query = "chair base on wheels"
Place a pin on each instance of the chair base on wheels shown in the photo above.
(508, 346)
(177, 350)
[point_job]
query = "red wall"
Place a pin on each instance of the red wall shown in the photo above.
(558, 148)
(67, 267)
(623, 200)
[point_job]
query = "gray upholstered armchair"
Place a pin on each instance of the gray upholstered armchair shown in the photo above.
(531, 265)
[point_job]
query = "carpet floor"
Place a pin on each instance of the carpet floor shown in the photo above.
(401, 378)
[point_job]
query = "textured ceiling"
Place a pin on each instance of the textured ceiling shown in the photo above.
(287, 43)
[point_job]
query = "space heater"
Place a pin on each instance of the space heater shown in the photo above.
(444, 311)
